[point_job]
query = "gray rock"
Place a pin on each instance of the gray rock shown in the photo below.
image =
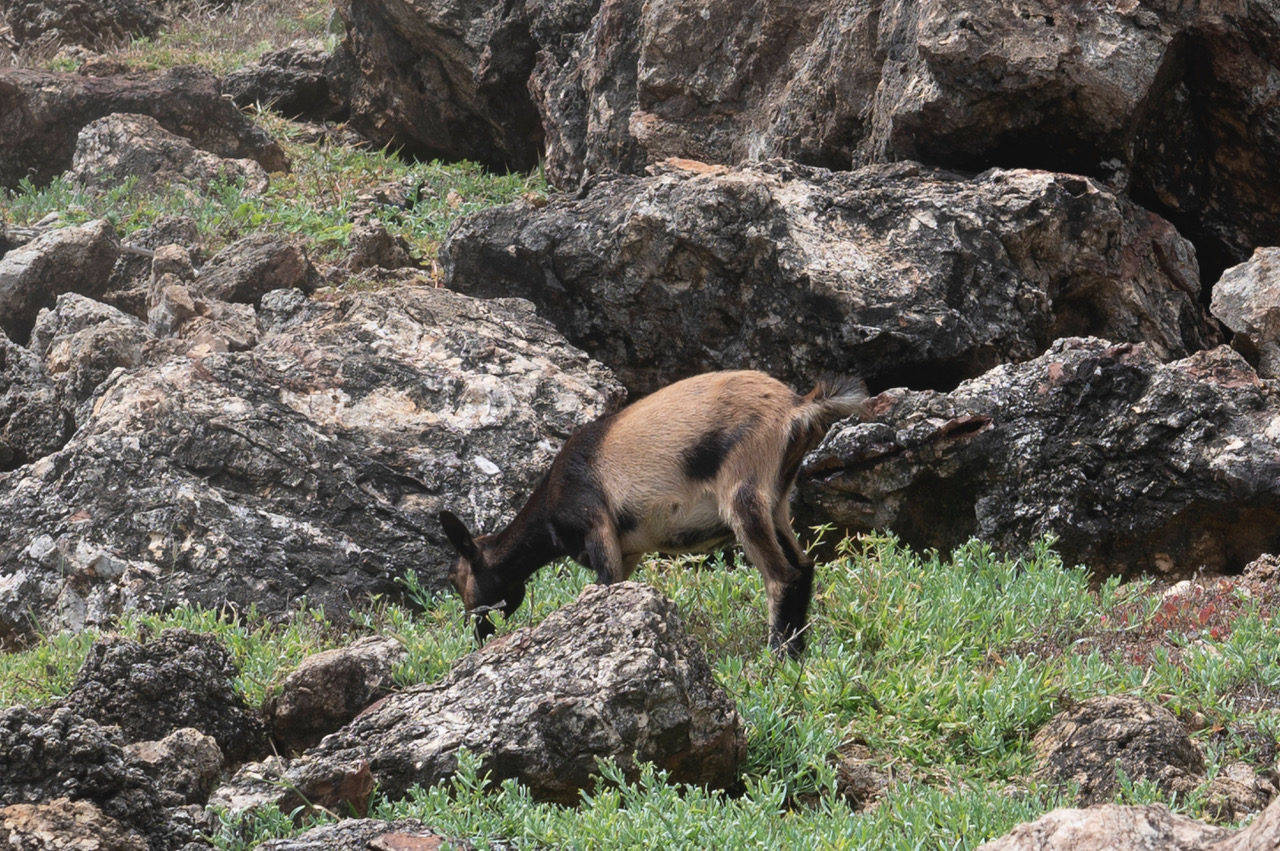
(64, 825)
(1137, 466)
(33, 420)
(76, 259)
(92, 23)
(302, 80)
(366, 835)
(66, 756)
(42, 113)
(612, 675)
(120, 147)
(329, 689)
(310, 466)
(185, 765)
(247, 269)
(372, 246)
(1088, 743)
(1247, 300)
(175, 680)
(1110, 827)
(1238, 791)
(131, 277)
(901, 274)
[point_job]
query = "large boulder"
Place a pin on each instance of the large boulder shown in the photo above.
(175, 680)
(61, 755)
(42, 113)
(899, 273)
(90, 23)
(1247, 300)
(76, 259)
(33, 420)
(302, 80)
(185, 765)
(1134, 464)
(613, 675)
(251, 267)
(119, 147)
(310, 466)
(1088, 744)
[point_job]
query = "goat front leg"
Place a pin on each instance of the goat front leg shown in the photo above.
(604, 553)
(786, 585)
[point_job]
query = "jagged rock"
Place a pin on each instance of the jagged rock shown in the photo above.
(119, 147)
(898, 273)
(75, 259)
(177, 679)
(372, 246)
(64, 825)
(301, 80)
(42, 113)
(1088, 743)
(33, 421)
(251, 267)
(198, 326)
(131, 278)
(366, 835)
(1110, 827)
(310, 466)
(82, 342)
(66, 756)
(1238, 791)
(1136, 465)
(329, 689)
(343, 786)
(93, 23)
(612, 675)
(185, 765)
(1247, 300)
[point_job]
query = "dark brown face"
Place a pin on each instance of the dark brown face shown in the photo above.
(464, 582)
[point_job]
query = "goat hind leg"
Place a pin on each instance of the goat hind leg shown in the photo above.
(785, 582)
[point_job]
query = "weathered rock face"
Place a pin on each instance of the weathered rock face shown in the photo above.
(901, 274)
(185, 765)
(76, 259)
(120, 147)
(310, 466)
(366, 835)
(1087, 743)
(329, 689)
(250, 268)
(1136, 465)
(178, 679)
(301, 80)
(92, 23)
(33, 421)
(1110, 827)
(612, 675)
(1247, 300)
(64, 825)
(42, 113)
(65, 756)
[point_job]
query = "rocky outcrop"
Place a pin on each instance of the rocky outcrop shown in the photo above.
(64, 825)
(250, 268)
(1136, 465)
(366, 835)
(91, 23)
(329, 689)
(76, 259)
(299, 81)
(612, 675)
(185, 765)
(176, 680)
(42, 113)
(1110, 827)
(1247, 300)
(309, 466)
(1087, 744)
(901, 274)
(33, 421)
(121, 147)
(66, 756)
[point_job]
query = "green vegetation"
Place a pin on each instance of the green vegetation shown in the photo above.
(941, 667)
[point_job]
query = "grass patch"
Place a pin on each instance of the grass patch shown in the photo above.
(935, 664)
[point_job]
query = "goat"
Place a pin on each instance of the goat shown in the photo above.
(686, 469)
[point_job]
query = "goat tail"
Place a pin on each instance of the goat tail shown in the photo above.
(832, 399)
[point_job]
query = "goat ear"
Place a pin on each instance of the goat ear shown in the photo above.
(456, 531)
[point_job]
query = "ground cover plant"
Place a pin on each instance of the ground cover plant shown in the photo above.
(940, 666)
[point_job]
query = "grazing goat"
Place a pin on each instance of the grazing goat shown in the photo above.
(685, 469)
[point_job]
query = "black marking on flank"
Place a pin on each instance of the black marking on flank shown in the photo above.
(625, 521)
(702, 460)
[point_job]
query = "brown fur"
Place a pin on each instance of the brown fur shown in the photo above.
(687, 468)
